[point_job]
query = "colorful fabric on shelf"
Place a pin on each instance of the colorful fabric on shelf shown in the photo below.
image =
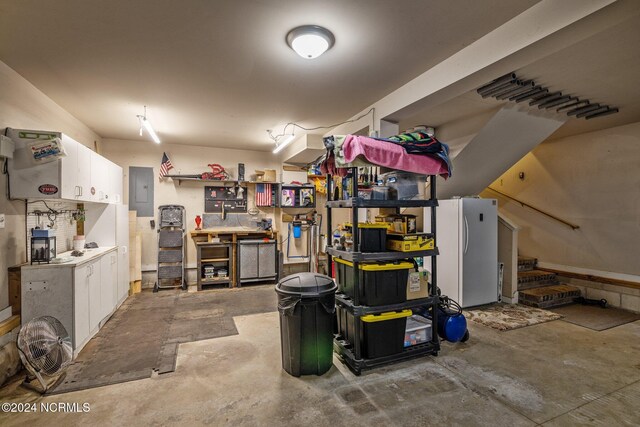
(422, 144)
(384, 153)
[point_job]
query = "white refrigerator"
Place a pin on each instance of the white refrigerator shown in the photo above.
(467, 238)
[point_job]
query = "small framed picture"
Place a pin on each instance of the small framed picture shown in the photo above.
(306, 197)
(288, 198)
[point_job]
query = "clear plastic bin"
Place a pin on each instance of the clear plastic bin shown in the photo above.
(407, 185)
(417, 331)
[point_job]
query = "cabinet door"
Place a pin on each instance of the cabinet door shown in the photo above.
(113, 264)
(81, 306)
(106, 286)
(95, 309)
(69, 170)
(99, 177)
(115, 184)
(267, 260)
(248, 254)
(83, 180)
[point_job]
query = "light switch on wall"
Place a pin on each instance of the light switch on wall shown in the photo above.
(2, 221)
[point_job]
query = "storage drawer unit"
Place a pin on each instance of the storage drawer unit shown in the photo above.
(378, 283)
(418, 331)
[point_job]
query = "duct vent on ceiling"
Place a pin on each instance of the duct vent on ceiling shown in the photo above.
(510, 87)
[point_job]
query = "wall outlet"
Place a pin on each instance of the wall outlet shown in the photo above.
(2, 221)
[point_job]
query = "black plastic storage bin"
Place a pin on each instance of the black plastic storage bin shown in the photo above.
(372, 237)
(306, 302)
(382, 334)
(379, 283)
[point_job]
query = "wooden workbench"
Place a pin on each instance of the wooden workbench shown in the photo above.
(232, 235)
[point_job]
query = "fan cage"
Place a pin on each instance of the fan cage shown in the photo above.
(46, 345)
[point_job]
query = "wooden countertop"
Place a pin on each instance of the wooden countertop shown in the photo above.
(230, 230)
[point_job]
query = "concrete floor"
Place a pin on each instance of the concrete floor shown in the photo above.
(554, 374)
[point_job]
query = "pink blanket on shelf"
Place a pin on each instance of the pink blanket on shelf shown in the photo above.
(392, 156)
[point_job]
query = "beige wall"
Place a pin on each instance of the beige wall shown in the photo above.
(186, 159)
(591, 180)
(24, 106)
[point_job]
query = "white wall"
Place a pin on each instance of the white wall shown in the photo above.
(24, 106)
(591, 180)
(186, 159)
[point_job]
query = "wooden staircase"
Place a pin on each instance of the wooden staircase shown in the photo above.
(538, 288)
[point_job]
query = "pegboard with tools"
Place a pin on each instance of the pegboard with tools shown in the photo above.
(233, 198)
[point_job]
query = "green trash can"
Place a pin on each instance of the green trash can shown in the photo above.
(306, 302)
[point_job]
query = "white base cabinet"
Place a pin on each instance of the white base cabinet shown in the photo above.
(82, 295)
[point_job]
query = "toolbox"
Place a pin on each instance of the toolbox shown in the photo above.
(380, 283)
(372, 236)
(382, 334)
(410, 242)
(398, 223)
(405, 224)
(387, 220)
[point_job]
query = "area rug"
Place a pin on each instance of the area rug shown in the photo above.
(142, 337)
(505, 317)
(595, 317)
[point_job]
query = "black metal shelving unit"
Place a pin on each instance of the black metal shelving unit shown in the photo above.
(351, 352)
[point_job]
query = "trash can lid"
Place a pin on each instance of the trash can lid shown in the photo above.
(306, 285)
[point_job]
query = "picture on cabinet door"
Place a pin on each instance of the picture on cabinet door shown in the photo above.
(288, 198)
(306, 197)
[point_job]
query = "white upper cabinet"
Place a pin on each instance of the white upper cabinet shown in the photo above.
(81, 174)
(99, 179)
(84, 172)
(115, 183)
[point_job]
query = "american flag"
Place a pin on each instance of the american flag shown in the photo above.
(263, 195)
(165, 166)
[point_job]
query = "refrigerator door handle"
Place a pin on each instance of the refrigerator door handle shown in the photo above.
(466, 235)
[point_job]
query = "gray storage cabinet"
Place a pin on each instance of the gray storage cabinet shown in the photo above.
(257, 260)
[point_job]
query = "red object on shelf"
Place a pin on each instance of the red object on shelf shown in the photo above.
(198, 222)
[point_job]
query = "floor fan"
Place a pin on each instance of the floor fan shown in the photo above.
(45, 349)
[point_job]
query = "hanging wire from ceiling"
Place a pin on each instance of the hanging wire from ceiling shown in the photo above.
(275, 138)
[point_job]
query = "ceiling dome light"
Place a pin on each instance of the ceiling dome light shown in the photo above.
(310, 41)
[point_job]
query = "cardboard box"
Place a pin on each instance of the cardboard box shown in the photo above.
(267, 175)
(410, 242)
(418, 285)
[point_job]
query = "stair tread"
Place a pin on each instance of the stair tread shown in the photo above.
(550, 289)
(536, 273)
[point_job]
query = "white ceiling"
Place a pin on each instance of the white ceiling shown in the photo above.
(601, 68)
(219, 73)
